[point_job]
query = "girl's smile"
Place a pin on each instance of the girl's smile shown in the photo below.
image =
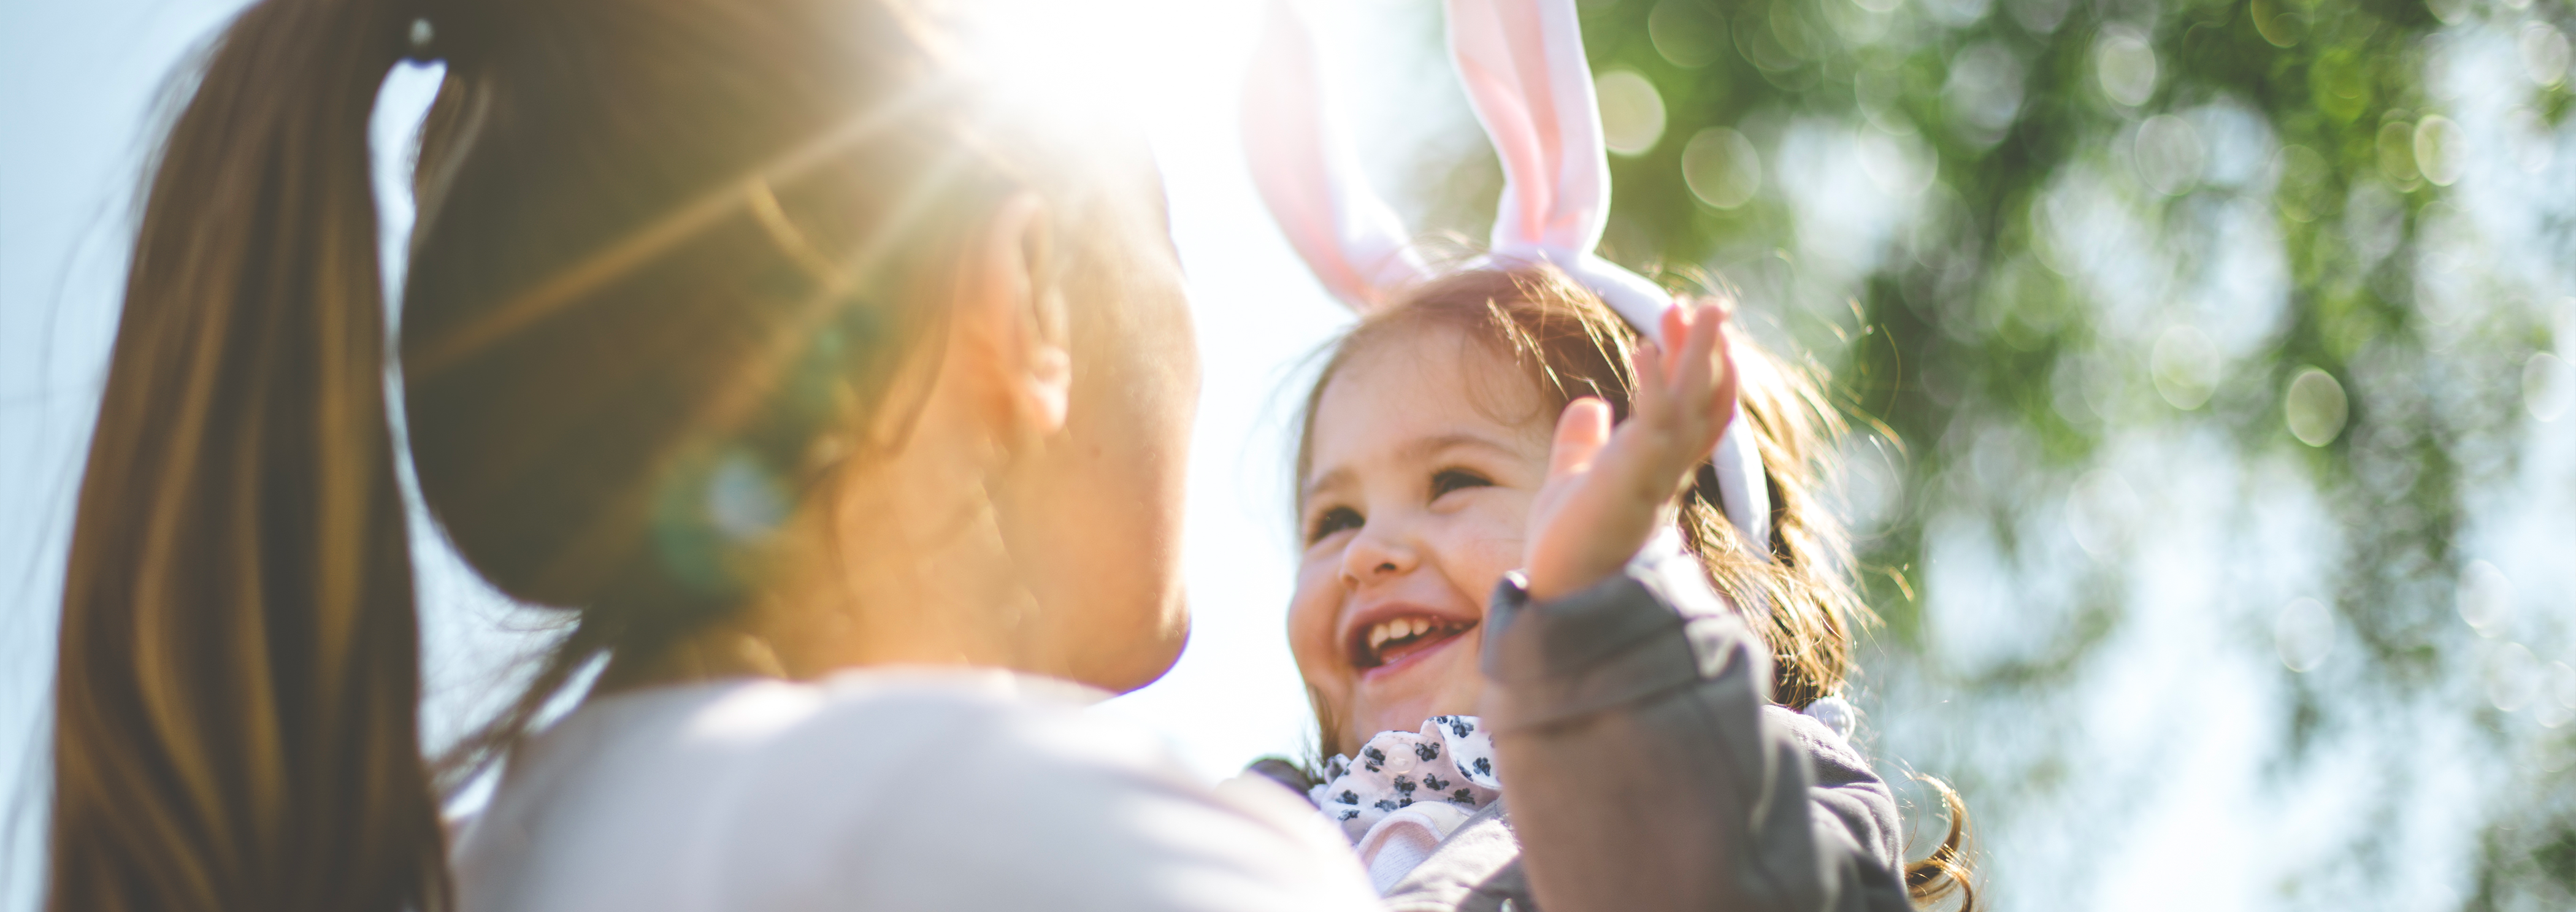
(1388, 637)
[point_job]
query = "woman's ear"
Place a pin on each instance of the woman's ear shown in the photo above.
(1010, 324)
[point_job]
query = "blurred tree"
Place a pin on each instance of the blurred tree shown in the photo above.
(2099, 273)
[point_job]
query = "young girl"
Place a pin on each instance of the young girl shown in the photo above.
(1427, 469)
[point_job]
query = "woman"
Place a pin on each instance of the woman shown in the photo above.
(746, 333)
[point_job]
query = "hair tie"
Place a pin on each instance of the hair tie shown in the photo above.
(420, 40)
(433, 31)
(1522, 64)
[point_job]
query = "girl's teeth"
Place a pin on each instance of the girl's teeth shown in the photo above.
(1385, 632)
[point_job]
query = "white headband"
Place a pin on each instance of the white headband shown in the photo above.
(1523, 67)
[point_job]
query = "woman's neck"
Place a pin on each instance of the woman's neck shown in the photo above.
(900, 579)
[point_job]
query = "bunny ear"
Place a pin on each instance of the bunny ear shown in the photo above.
(1525, 73)
(1524, 70)
(1741, 488)
(1308, 175)
(1523, 67)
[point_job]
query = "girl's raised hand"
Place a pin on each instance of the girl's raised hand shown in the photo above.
(1607, 491)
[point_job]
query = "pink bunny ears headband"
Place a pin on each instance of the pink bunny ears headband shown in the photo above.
(1524, 70)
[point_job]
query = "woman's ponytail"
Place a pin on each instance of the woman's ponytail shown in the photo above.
(237, 693)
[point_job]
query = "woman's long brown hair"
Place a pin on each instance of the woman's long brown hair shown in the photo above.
(614, 314)
(1571, 345)
(236, 707)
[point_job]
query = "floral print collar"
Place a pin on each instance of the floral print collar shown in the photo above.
(1450, 760)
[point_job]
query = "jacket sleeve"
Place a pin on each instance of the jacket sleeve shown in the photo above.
(1647, 768)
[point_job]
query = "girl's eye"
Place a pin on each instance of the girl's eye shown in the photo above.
(1331, 521)
(1447, 480)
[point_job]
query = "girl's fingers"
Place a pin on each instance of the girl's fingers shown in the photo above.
(1722, 409)
(1677, 321)
(1686, 384)
(1690, 368)
(1581, 432)
(1704, 324)
(1648, 401)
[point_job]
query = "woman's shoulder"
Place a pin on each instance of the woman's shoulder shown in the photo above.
(1004, 793)
(901, 789)
(863, 751)
(894, 729)
(937, 744)
(957, 717)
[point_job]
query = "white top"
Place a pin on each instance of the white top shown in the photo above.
(882, 789)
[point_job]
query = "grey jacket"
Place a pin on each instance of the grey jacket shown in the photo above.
(1646, 769)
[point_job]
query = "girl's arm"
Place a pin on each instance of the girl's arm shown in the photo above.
(1649, 769)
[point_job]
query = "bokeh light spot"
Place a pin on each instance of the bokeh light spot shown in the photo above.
(2555, 704)
(1856, 25)
(2441, 150)
(2339, 83)
(1957, 13)
(2315, 407)
(2169, 154)
(2278, 23)
(2126, 66)
(1984, 91)
(2303, 175)
(1791, 31)
(2513, 677)
(2304, 634)
(2100, 510)
(2485, 598)
(2544, 53)
(2548, 386)
(2041, 17)
(1722, 167)
(1686, 33)
(2396, 148)
(2186, 367)
(1900, 163)
(1632, 112)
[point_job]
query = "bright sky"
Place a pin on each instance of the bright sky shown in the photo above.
(81, 81)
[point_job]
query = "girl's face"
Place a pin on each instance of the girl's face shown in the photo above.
(1427, 448)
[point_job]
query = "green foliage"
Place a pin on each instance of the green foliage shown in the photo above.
(2048, 294)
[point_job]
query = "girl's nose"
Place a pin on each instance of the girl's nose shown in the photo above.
(1376, 553)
